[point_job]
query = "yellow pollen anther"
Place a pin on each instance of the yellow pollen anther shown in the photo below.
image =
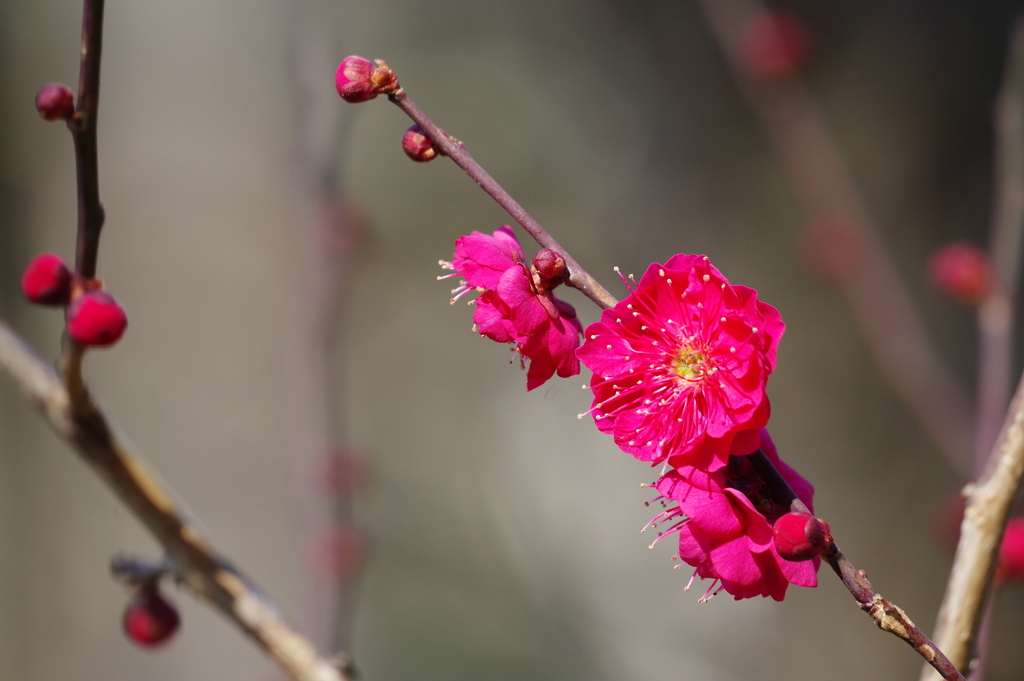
(707, 277)
(661, 273)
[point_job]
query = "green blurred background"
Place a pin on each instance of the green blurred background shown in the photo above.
(501, 531)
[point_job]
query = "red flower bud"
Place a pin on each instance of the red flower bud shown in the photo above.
(418, 146)
(47, 280)
(359, 80)
(548, 264)
(55, 101)
(774, 44)
(961, 271)
(801, 536)
(95, 319)
(1011, 553)
(150, 619)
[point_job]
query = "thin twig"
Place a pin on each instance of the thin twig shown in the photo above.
(202, 568)
(578, 277)
(83, 129)
(987, 508)
(875, 292)
(888, 616)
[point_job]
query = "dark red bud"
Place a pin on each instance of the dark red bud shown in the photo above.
(961, 271)
(774, 44)
(801, 536)
(150, 619)
(1011, 553)
(95, 319)
(354, 79)
(359, 80)
(47, 280)
(55, 101)
(548, 264)
(418, 146)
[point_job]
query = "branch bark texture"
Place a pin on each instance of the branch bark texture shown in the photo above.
(888, 616)
(987, 508)
(202, 568)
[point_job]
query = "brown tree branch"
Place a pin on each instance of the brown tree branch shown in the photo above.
(823, 190)
(578, 277)
(888, 616)
(987, 508)
(83, 129)
(202, 568)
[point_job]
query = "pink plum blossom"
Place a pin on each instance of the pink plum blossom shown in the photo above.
(516, 304)
(680, 366)
(724, 522)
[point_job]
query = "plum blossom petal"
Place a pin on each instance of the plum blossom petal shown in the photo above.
(724, 519)
(516, 305)
(681, 365)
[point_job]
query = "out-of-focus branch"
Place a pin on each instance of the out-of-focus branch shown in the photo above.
(202, 568)
(995, 315)
(871, 283)
(888, 616)
(578, 277)
(987, 508)
(328, 228)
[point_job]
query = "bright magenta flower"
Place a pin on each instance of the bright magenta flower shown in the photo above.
(516, 304)
(725, 527)
(680, 366)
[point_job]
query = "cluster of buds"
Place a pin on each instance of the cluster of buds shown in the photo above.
(150, 619)
(94, 318)
(55, 102)
(359, 80)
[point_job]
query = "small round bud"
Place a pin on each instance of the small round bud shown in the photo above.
(774, 44)
(150, 619)
(47, 280)
(95, 319)
(961, 271)
(55, 101)
(801, 536)
(1011, 553)
(354, 79)
(548, 264)
(418, 146)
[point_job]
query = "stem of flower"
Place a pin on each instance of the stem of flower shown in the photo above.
(887, 616)
(578, 277)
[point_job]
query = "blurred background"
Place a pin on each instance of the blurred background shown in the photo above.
(496, 533)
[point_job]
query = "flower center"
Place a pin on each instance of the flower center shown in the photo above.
(691, 364)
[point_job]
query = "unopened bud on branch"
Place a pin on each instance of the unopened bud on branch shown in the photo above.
(548, 264)
(961, 271)
(359, 80)
(801, 536)
(418, 146)
(95, 319)
(47, 280)
(55, 101)
(150, 619)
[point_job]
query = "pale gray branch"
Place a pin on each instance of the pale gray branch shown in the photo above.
(205, 571)
(988, 505)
